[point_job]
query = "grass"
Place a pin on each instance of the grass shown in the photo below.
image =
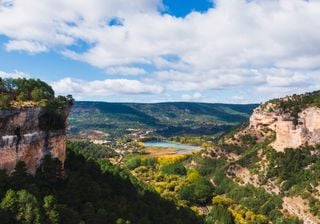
(160, 151)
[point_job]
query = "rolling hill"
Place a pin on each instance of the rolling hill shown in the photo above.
(176, 117)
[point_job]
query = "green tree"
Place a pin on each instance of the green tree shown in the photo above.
(23, 205)
(122, 221)
(219, 214)
(197, 192)
(23, 96)
(4, 100)
(20, 178)
(50, 208)
(50, 171)
(174, 168)
(2, 85)
(133, 163)
(37, 94)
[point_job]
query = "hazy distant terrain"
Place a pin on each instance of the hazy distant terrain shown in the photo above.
(177, 117)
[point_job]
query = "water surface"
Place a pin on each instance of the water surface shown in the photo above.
(181, 148)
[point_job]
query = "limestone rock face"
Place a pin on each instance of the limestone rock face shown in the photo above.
(23, 138)
(287, 134)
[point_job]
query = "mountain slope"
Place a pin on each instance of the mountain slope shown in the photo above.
(279, 152)
(85, 192)
(251, 178)
(116, 118)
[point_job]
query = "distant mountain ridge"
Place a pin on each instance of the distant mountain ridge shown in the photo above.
(117, 117)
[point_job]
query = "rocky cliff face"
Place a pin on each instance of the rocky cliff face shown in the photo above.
(288, 135)
(23, 136)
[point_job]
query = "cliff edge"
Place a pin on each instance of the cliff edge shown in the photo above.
(295, 121)
(32, 123)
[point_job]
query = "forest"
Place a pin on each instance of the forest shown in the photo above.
(201, 185)
(84, 192)
(162, 119)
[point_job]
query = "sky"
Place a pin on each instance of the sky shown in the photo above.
(226, 51)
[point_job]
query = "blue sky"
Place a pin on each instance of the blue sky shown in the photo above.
(231, 51)
(181, 8)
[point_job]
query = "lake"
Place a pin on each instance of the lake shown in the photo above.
(181, 148)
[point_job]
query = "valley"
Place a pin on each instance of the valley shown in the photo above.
(264, 171)
(158, 163)
(160, 112)
(141, 121)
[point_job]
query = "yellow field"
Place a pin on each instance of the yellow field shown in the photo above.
(160, 151)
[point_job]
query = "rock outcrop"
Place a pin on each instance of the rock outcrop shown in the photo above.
(288, 135)
(26, 135)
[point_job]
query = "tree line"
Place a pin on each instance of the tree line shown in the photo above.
(20, 90)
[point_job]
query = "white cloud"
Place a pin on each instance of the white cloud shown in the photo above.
(239, 99)
(259, 45)
(213, 79)
(303, 62)
(125, 71)
(23, 45)
(104, 88)
(236, 33)
(15, 74)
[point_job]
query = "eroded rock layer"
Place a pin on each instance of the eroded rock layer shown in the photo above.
(24, 137)
(289, 135)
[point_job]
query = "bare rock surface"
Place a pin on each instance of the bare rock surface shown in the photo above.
(288, 135)
(22, 138)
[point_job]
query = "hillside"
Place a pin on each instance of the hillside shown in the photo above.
(245, 177)
(264, 171)
(84, 192)
(41, 182)
(279, 153)
(117, 119)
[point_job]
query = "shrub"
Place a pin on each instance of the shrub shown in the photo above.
(199, 192)
(133, 163)
(175, 168)
(4, 100)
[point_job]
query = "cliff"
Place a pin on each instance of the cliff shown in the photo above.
(30, 133)
(291, 131)
(291, 122)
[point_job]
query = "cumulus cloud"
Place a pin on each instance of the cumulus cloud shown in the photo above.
(125, 71)
(23, 45)
(259, 45)
(15, 74)
(80, 88)
(212, 79)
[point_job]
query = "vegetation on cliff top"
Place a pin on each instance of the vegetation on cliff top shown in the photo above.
(295, 103)
(21, 92)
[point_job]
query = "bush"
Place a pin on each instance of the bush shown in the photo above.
(175, 168)
(199, 192)
(150, 162)
(219, 214)
(4, 100)
(133, 163)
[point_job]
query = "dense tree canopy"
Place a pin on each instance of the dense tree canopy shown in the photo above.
(22, 90)
(83, 193)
